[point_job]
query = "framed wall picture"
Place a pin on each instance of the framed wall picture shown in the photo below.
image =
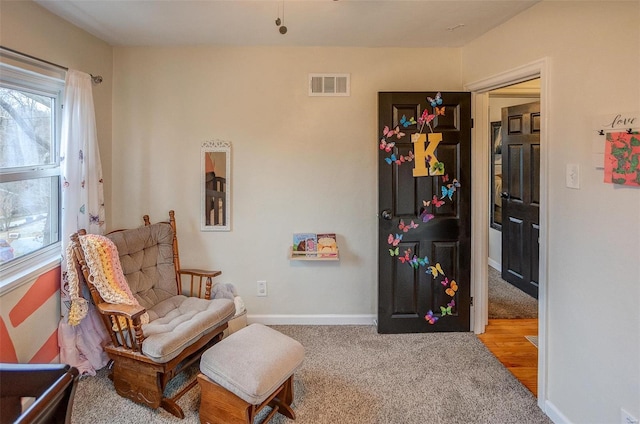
(216, 186)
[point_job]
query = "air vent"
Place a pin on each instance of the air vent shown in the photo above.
(329, 84)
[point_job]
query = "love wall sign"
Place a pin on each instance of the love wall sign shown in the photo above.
(616, 147)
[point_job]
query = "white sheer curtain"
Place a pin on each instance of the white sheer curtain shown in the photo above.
(82, 207)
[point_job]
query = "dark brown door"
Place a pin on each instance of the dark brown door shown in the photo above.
(521, 196)
(424, 271)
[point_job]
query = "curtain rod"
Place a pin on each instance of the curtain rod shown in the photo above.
(97, 79)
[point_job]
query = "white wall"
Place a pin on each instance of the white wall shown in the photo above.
(593, 280)
(299, 163)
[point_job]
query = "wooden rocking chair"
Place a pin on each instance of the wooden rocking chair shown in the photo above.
(147, 356)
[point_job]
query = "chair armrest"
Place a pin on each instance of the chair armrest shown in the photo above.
(196, 278)
(200, 272)
(130, 311)
(127, 332)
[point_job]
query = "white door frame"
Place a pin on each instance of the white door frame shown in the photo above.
(480, 201)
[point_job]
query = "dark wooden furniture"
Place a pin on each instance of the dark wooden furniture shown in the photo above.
(52, 385)
(215, 198)
(135, 374)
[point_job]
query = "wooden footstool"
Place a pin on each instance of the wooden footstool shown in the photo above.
(247, 371)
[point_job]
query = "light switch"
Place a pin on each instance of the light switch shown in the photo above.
(573, 175)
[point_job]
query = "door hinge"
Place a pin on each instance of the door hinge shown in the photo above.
(471, 301)
(471, 122)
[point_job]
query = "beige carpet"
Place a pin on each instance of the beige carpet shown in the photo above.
(507, 301)
(351, 374)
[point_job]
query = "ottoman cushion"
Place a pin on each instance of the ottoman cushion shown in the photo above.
(253, 362)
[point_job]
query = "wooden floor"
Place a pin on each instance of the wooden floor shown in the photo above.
(505, 339)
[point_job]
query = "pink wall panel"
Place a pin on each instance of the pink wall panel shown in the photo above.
(44, 287)
(7, 350)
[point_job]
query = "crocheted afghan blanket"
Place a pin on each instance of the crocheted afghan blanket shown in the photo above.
(107, 277)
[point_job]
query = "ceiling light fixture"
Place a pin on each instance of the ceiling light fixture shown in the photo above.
(280, 23)
(455, 27)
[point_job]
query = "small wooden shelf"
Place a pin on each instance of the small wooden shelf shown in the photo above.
(312, 256)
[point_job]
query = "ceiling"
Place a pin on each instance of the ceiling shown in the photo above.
(352, 23)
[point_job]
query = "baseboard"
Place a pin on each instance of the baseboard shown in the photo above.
(494, 264)
(328, 319)
(554, 414)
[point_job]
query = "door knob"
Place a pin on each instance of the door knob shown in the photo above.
(505, 195)
(386, 214)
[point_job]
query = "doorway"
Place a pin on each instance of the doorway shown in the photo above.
(507, 298)
(481, 193)
(513, 305)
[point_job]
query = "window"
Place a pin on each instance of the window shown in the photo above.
(30, 112)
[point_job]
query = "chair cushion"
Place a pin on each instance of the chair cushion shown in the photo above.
(146, 256)
(252, 362)
(180, 321)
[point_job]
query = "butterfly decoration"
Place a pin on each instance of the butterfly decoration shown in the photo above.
(405, 227)
(435, 102)
(439, 110)
(406, 122)
(448, 191)
(437, 168)
(455, 183)
(445, 178)
(452, 303)
(425, 118)
(445, 282)
(94, 219)
(453, 288)
(398, 160)
(417, 262)
(394, 252)
(387, 132)
(391, 159)
(409, 157)
(386, 146)
(435, 269)
(425, 216)
(435, 202)
(445, 311)
(431, 319)
(406, 258)
(394, 241)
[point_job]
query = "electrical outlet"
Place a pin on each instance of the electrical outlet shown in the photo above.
(262, 288)
(627, 418)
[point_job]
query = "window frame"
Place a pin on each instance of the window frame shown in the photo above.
(39, 78)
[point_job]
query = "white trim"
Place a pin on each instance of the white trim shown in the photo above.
(555, 415)
(538, 68)
(495, 264)
(325, 319)
(31, 269)
(480, 211)
(520, 74)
